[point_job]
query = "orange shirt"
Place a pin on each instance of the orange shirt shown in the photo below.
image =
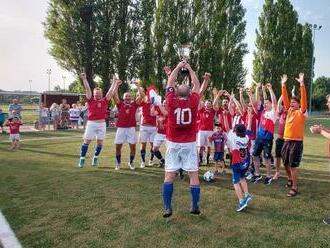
(295, 120)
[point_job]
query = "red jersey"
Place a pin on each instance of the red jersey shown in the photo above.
(182, 117)
(147, 119)
(126, 114)
(206, 119)
(254, 125)
(222, 116)
(97, 109)
(14, 127)
(161, 121)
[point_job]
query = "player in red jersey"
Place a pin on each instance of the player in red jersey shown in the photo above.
(181, 153)
(148, 131)
(160, 137)
(97, 113)
(14, 124)
(126, 123)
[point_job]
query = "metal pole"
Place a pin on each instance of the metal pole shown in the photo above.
(312, 75)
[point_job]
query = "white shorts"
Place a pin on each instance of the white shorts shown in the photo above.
(203, 138)
(181, 156)
(95, 129)
(125, 135)
(159, 139)
(147, 134)
(14, 136)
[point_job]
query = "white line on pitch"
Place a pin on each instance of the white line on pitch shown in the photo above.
(7, 236)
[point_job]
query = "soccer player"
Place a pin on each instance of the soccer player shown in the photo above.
(160, 138)
(126, 122)
(265, 136)
(325, 133)
(97, 113)
(240, 161)
(181, 153)
(293, 132)
(14, 124)
(148, 131)
(219, 139)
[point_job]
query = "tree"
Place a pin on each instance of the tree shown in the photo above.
(321, 88)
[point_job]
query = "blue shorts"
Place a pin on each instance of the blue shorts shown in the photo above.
(218, 156)
(239, 171)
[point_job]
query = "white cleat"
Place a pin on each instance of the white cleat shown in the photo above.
(117, 167)
(131, 166)
(151, 163)
(143, 164)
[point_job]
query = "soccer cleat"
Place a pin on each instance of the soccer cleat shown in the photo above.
(168, 213)
(81, 162)
(247, 199)
(195, 211)
(161, 163)
(256, 178)
(216, 173)
(268, 180)
(181, 174)
(151, 163)
(326, 221)
(131, 166)
(241, 206)
(143, 164)
(249, 176)
(117, 167)
(94, 161)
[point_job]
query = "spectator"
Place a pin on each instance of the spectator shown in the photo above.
(64, 107)
(55, 114)
(2, 119)
(15, 109)
(43, 117)
(74, 113)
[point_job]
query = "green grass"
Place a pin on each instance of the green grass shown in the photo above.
(49, 202)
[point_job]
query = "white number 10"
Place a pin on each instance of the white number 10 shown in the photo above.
(180, 116)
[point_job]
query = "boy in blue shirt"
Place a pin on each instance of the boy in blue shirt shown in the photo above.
(219, 140)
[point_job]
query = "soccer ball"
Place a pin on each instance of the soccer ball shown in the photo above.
(208, 176)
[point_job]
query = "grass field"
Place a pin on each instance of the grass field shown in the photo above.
(49, 202)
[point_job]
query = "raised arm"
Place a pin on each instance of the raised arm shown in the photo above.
(237, 104)
(194, 80)
(110, 92)
(279, 104)
(115, 94)
(303, 94)
(86, 86)
(206, 80)
(140, 96)
(272, 96)
(241, 99)
(253, 101)
(285, 96)
(217, 95)
(264, 93)
(174, 74)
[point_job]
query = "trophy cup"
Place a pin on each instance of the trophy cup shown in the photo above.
(183, 51)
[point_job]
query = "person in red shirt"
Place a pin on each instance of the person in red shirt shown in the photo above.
(161, 121)
(126, 122)
(97, 113)
(147, 131)
(14, 124)
(182, 107)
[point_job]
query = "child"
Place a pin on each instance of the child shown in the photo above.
(43, 117)
(2, 119)
(239, 147)
(219, 139)
(14, 125)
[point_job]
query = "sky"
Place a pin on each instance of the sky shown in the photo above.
(24, 50)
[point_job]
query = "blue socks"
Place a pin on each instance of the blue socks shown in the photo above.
(143, 155)
(98, 149)
(167, 194)
(118, 158)
(195, 192)
(84, 149)
(131, 158)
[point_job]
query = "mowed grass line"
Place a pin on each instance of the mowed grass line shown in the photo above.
(49, 202)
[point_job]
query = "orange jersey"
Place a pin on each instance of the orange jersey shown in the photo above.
(295, 120)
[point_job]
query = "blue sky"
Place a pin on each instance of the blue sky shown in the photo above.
(24, 51)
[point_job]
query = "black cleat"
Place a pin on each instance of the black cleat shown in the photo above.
(161, 163)
(167, 213)
(195, 211)
(181, 174)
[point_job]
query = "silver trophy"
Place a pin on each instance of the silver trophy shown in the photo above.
(183, 51)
